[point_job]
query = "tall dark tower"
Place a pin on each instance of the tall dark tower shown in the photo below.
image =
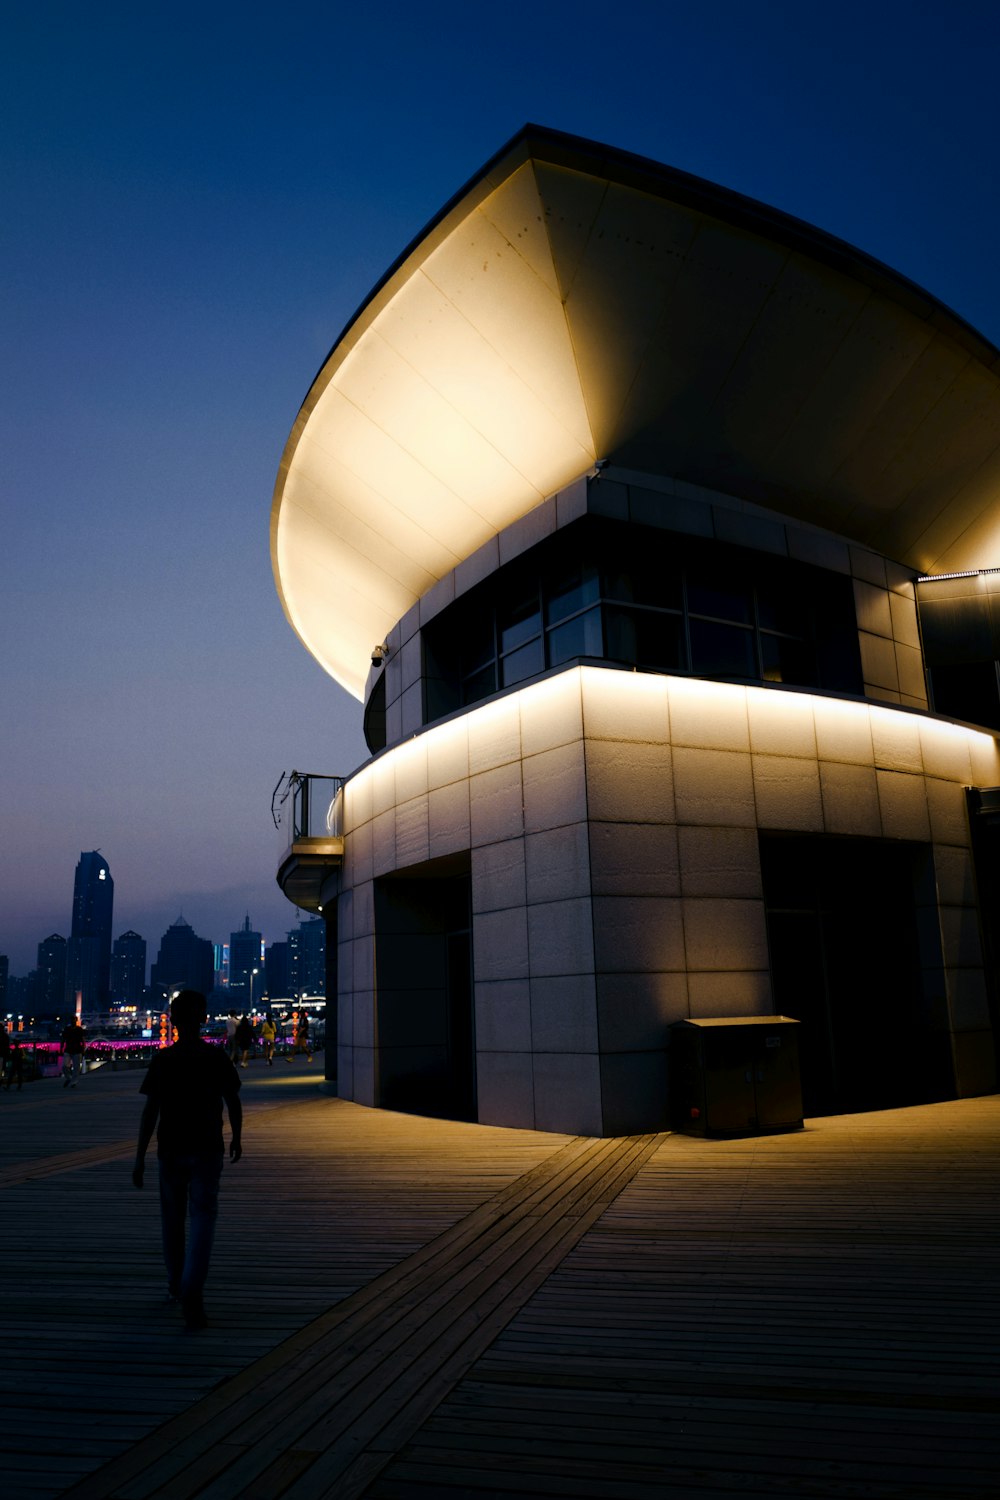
(51, 973)
(128, 968)
(307, 958)
(244, 958)
(88, 961)
(185, 961)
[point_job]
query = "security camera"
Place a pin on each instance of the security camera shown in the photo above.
(379, 654)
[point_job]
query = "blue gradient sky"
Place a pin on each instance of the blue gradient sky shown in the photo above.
(194, 201)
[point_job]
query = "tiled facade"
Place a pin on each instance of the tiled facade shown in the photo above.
(612, 823)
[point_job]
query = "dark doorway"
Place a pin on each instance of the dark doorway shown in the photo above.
(984, 824)
(855, 957)
(424, 991)
(331, 1014)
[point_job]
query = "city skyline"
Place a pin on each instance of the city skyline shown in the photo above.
(196, 203)
(61, 934)
(298, 955)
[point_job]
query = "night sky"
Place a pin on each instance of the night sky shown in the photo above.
(194, 201)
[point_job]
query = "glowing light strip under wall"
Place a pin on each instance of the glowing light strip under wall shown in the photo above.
(556, 690)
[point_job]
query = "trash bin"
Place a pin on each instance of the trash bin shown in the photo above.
(735, 1075)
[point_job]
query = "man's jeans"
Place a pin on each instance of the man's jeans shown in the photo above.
(189, 1184)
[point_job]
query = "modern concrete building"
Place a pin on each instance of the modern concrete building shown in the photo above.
(654, 529)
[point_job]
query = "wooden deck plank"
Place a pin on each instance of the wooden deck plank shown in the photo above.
(764, 1324)
(456, 1311)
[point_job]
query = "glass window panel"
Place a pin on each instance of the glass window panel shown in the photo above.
(657, 580)
(571, 589)
(839, 661)
(651, 579)
(784, 606)
(519, 616)
(646, 639)
(524, 662)
(722, 650)
(477, 646)
(480, 684)
(968, 692)
(580, 636)
(784, 659)
(719, 591)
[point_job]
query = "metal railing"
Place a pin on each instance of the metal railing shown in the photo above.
(305, 806)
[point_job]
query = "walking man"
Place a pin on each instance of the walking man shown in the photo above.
(186, 1086)
(74, 1041)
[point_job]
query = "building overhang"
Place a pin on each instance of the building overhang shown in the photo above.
(306, 869)
(575, 303)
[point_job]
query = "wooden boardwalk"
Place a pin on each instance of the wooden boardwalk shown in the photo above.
(408, 1308)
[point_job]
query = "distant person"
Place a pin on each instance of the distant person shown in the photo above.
(4, 1051)
(74, 1041)
(231, 1024)
(268, 1032)
(186, 1086)
(15, 1065)
(243, 1040)
(303, 1042)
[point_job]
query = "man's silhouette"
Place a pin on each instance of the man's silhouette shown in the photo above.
(185, 1087)
(74, 1040)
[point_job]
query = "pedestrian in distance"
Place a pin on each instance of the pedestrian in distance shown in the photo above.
(15, 1066)
(4, 1051)
(268, 1032)
(302, 1040)
(243, 1040)
(186, 1086)
(231, 1024)
(74, 1041)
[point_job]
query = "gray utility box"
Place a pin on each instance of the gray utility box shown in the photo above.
(735, 1075)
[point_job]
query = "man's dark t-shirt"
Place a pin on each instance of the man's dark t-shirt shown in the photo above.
(73, 1037)
(189, 1082)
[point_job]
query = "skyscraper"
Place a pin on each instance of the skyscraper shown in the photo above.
(51, 972)
(128, 968)
(185, 961)
(307, 958)
(276, 968)
(244, 957)
(88, 966)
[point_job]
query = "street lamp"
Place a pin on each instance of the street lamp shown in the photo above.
(253, 974)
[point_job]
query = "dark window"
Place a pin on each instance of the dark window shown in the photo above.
(580, 636)
(650, 639)
(719, 650)
(785, 659)
(960, 630)
(374, 720)
(649, 600)
(968, 691)
(718, 591)
(571, 589)
(519, 616)
(527, 661)
(479, 684)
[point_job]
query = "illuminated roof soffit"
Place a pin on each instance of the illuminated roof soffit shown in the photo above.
(566, 308)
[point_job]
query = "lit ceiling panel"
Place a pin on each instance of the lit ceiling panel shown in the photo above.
(576, 303)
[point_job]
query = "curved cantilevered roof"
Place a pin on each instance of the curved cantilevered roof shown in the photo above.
(574, 302)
